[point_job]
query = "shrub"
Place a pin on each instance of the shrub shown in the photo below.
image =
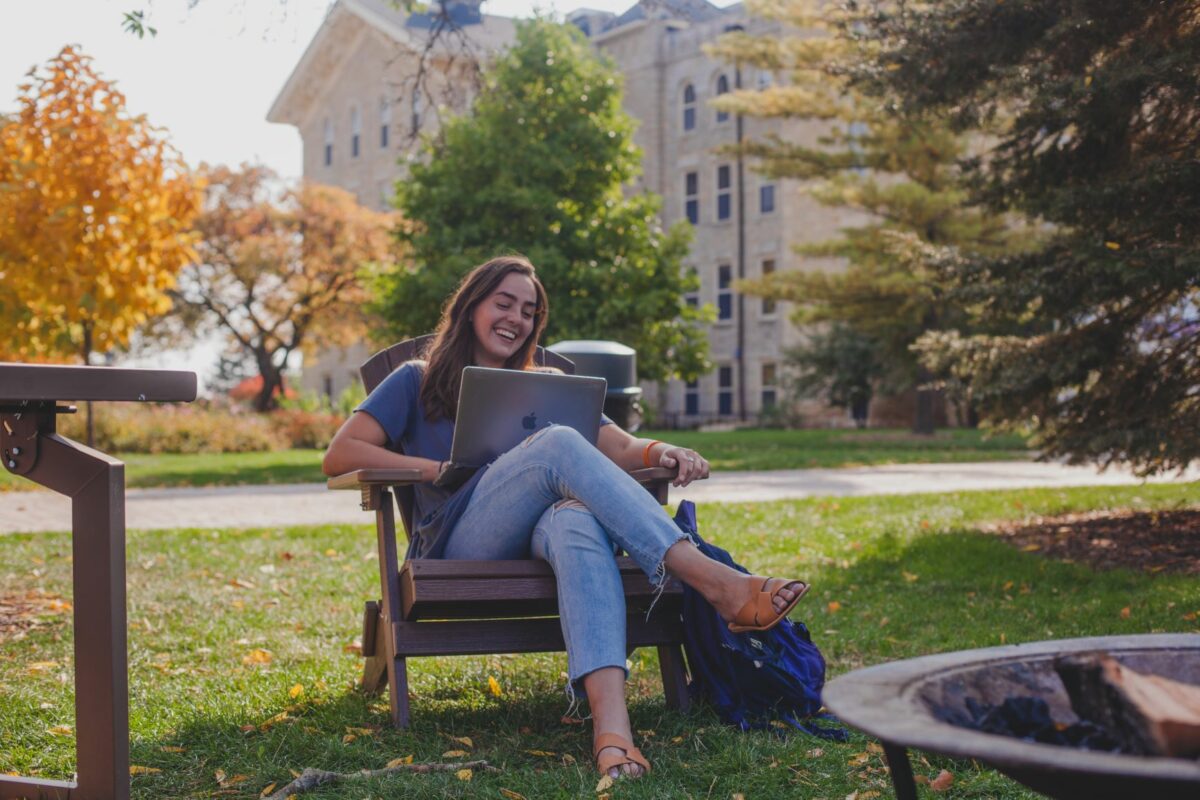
(193, 428)
(303, 428)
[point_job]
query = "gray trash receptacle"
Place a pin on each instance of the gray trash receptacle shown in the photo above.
(617, 364)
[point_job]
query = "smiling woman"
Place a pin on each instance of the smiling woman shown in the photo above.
(555, 497)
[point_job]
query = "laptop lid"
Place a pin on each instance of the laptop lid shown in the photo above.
(499, 408)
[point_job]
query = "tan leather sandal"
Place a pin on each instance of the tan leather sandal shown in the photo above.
(759, 614)
(629, 753)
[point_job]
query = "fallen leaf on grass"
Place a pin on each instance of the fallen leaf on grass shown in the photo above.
(348, 738)
(910, 576)
(273, 721)
(1125, 612)
(540, 753)
(42, 666)
(172, 749)
(270, 787)
(296, 691)
(676, 740)
(511, 795)
(605, 783)
(943, 781)
(874, 747)
(463, 740)
(834, 606)
(224, 781)
(816, 752)
(571, 721)
(397, 762)
(568, 759)
(362, 731)
(454, 754)
(646, 734)
(494, 686)
(464, 774)
(257, 657)
(738, 796)
(859, 759)
(241, 584)
(62, 730)
(137, 769)
(1031, 548)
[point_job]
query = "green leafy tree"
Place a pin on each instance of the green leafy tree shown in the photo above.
(839, 365)
(1099, 104)
(901, 172)
(540, 167)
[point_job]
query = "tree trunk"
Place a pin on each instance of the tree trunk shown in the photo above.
(923, 413)
(87, 360)
(272, 383)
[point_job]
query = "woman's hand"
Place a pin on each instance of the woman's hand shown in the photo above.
(691, 465)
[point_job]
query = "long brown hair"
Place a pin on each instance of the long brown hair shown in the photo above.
(453, 344)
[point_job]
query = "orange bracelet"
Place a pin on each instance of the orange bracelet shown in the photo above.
(646, 452)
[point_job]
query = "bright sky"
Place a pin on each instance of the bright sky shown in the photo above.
(212, 71)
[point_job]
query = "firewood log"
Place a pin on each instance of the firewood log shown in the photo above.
(1150, 714)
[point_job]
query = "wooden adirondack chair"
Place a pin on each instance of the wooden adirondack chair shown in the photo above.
(436, 607)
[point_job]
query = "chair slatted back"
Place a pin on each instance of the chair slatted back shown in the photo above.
(385, 362)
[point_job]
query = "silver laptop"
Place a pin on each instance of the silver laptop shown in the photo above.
(499, 408)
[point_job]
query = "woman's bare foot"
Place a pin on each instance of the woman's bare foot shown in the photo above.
(610, 722)
(727, 589)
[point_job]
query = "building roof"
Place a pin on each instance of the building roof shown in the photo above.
(327, 49)
(689, 10)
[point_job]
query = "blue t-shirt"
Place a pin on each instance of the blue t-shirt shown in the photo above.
(396, 405)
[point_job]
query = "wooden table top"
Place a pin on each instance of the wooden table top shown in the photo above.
(53, 382)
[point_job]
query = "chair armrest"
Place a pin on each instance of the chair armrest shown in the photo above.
(652, 474)
(364, 478)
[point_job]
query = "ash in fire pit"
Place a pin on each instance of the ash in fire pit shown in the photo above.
(1115, 709)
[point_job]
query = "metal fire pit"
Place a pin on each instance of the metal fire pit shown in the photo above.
(896, 703)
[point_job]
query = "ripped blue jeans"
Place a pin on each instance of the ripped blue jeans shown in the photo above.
(557, 498)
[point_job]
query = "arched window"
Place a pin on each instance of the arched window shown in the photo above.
(385, 120)
(722, 88)
(355, 131)
(328, 141)
(689, 107)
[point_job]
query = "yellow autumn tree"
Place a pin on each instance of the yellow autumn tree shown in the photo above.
(96, 213)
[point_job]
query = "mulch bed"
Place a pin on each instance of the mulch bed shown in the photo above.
(1148, 541)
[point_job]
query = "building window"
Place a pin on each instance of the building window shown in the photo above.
(689, 107)
(691, 197)
(764, 79)
(722, 88)
(769, 380)
(724, 192)
(766, 198)
(691, 398)
(385, 121)
(768, 305)
(328, 141)
(724, 292)
(355, 131)
(725, 391)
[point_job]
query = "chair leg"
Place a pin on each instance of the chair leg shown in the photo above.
(375, 666)
(674, 676)
(398, 691)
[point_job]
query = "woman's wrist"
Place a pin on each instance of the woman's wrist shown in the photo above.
(649, 457)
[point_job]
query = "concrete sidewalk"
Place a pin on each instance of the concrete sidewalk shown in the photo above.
(313, 504)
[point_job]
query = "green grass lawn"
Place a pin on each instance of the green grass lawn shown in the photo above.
(242, 660)
(752, 449)
(765, 449)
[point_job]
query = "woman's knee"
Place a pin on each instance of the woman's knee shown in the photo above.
(556, 439)
(569, 525)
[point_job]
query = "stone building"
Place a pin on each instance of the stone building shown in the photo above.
(351, 93)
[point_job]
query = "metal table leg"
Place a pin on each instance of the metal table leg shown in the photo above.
(95, 483)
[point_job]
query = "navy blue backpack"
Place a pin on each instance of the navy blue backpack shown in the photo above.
(751, 679)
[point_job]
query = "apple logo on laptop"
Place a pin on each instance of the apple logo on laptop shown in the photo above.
(529, 423)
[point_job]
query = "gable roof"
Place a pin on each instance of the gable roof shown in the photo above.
(409, 31)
